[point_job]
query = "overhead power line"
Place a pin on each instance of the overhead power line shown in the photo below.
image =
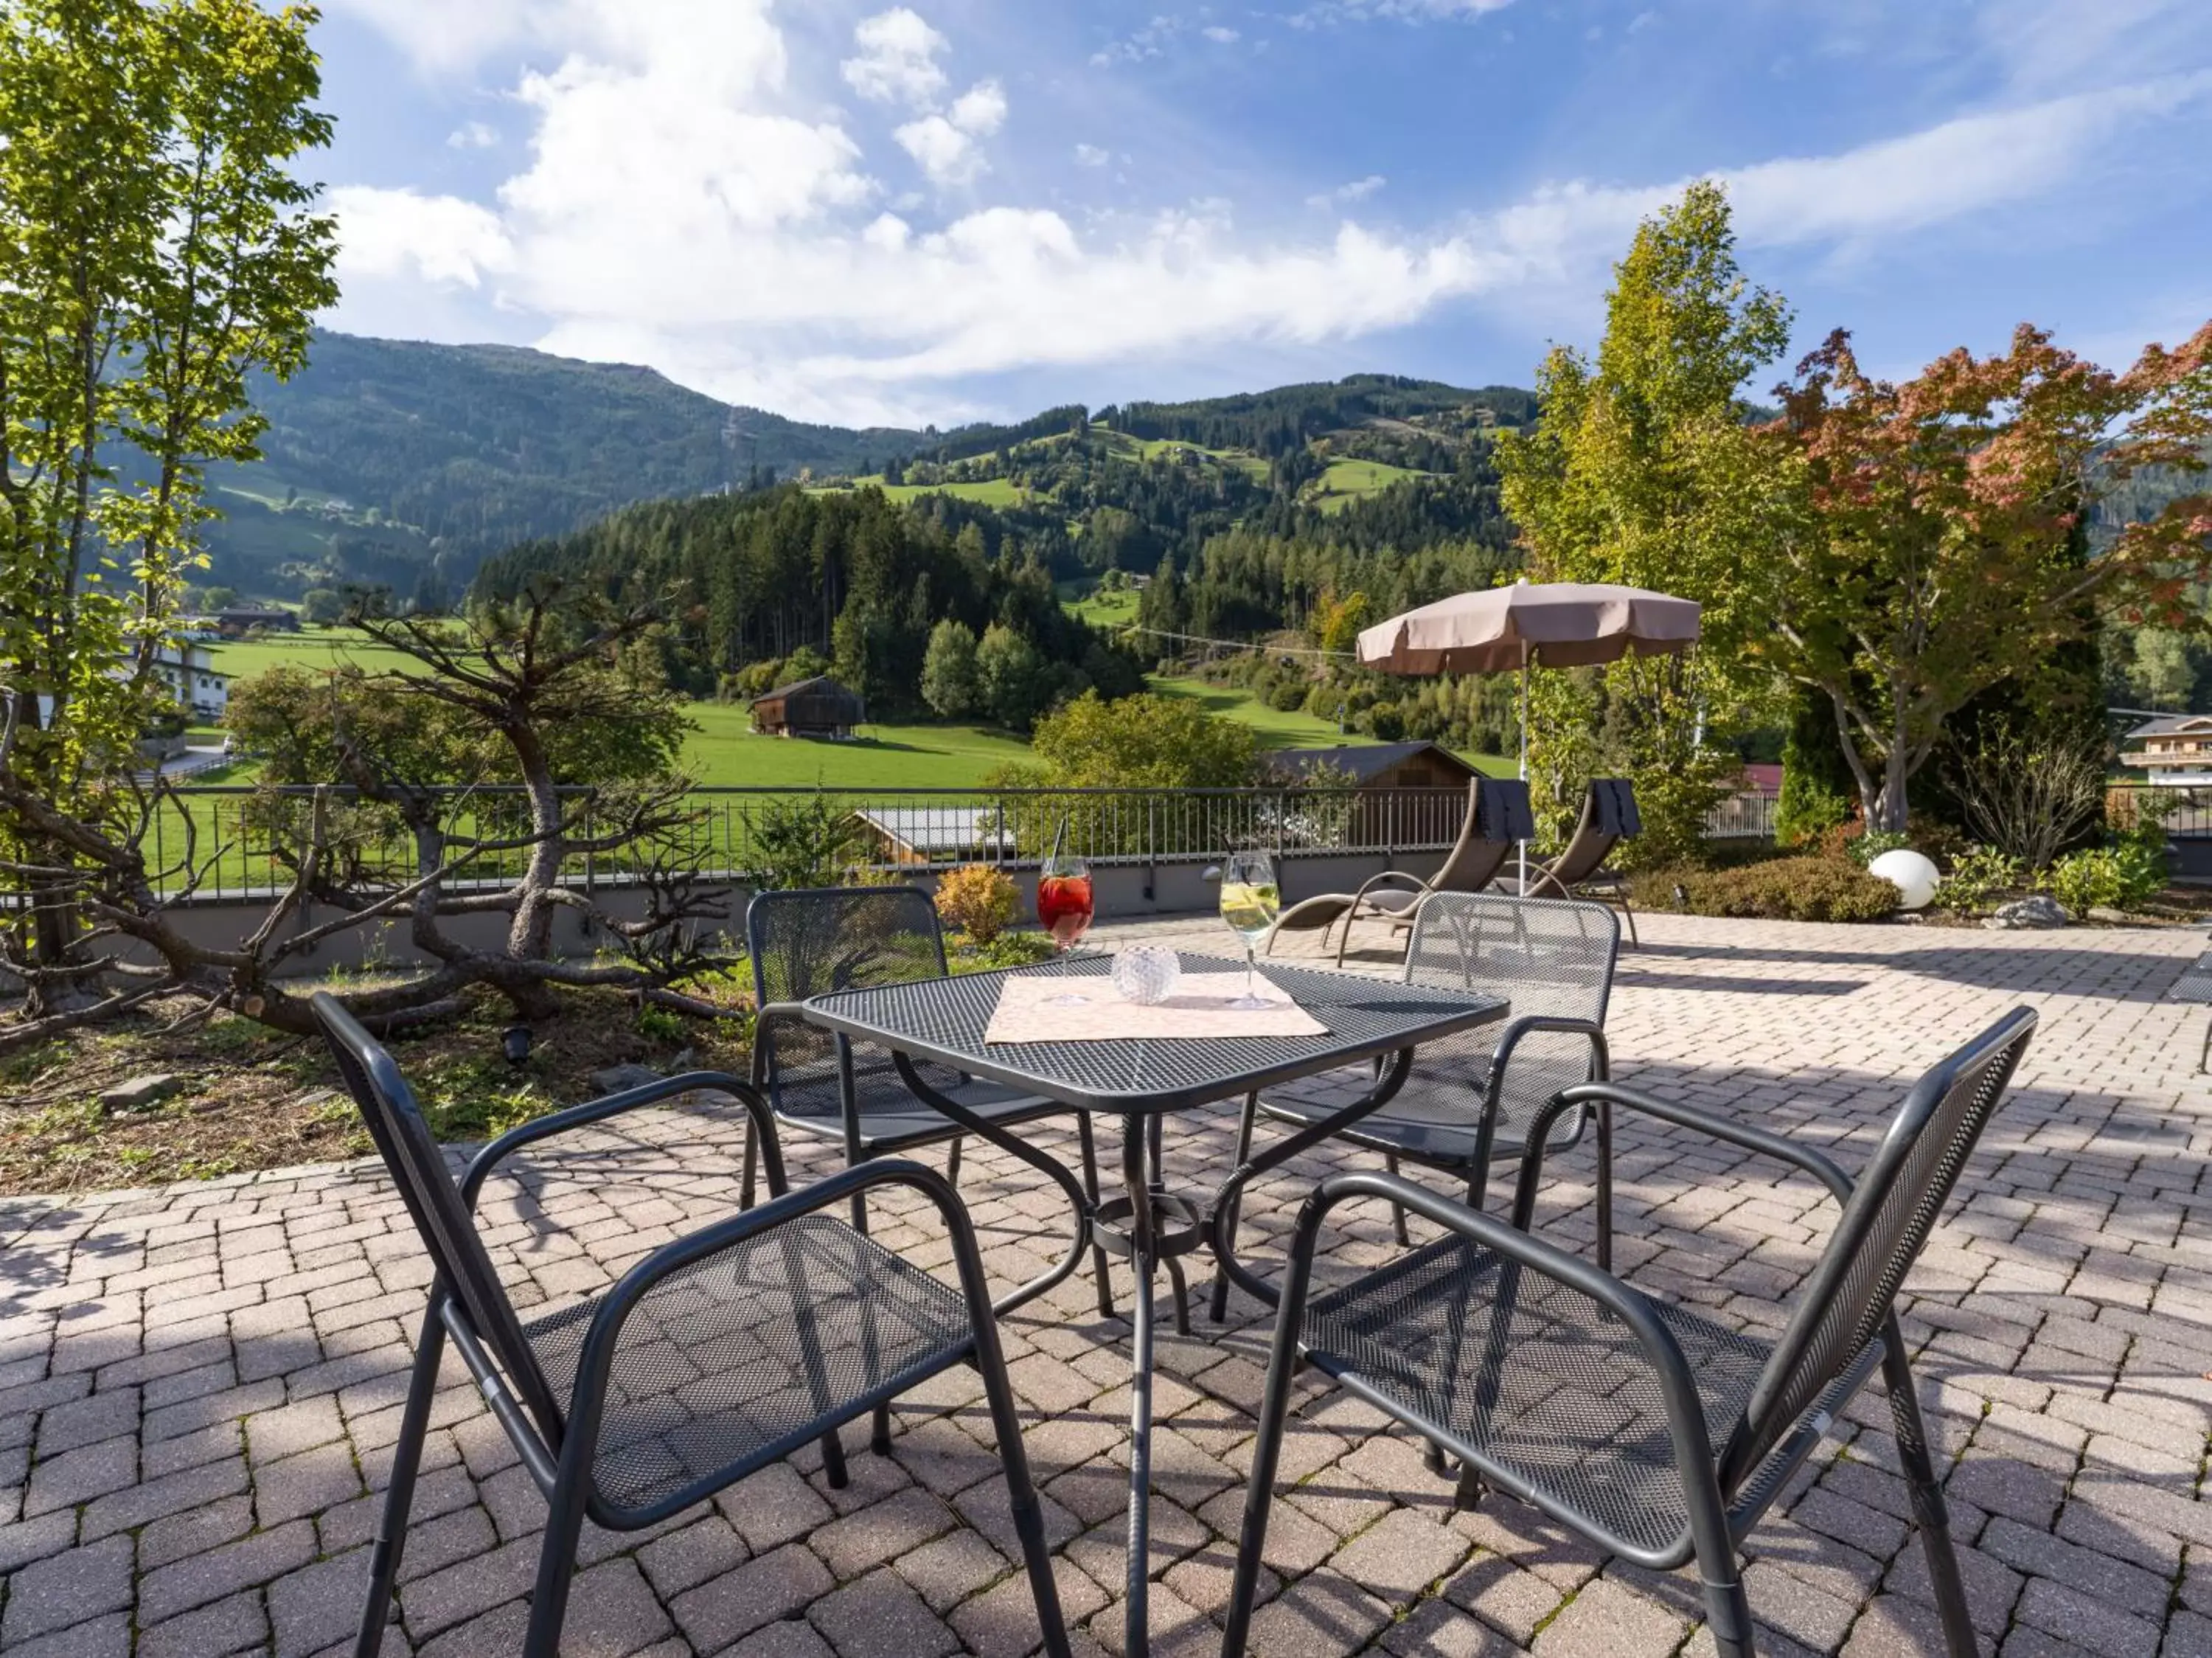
(1242, 644)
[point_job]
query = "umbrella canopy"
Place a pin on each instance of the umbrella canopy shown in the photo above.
(1543, 624)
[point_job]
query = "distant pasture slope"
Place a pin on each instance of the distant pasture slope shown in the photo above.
(724, 751)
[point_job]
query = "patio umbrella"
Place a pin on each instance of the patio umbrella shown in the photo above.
(1530, 625)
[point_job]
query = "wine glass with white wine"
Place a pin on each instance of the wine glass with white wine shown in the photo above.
(1249, 902)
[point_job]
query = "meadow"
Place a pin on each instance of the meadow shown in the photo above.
(724, 751)
(1345, 481)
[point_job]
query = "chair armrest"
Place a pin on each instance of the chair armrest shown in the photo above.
(1373, 881)
(764, 1019)
(1686, 1415)
(1758, 1140)
(1519, 1029)
(613, 1104)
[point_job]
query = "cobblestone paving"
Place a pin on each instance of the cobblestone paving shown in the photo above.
(199, 1387)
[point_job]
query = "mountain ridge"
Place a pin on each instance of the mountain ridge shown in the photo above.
(406, 464)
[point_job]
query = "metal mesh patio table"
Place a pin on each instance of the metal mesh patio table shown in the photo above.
(1141, 1081)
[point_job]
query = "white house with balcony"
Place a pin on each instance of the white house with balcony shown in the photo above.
(189, 670)
(2174, 749)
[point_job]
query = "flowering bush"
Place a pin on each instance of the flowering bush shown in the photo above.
(977, 900)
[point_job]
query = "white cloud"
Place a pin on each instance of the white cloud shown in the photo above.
(948, 147)
(1358, 190)
(1409, 11)
(1149, 41)
(941, 149)
(1221, 36)
(683, 205)
(981, 110)
(897, 59)
(443, 36)
(477, 135)
(1091, 156)
(435, 239)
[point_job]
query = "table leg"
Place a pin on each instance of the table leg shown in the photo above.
(1136, 1627)
(1080, 1202)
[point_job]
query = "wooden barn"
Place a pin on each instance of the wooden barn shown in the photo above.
(818, 707)
(1379, 765)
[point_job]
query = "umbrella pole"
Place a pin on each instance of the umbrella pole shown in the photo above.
(1524, 756)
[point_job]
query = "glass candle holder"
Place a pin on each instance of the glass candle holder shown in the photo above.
(1146, 974)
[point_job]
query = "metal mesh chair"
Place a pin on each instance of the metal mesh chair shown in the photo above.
(1469, 1100)
(818, 1083)
(716, 1354)
(1651, 1430)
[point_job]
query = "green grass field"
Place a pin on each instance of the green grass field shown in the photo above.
(1345, 481)
(1103, 609)
(990, 492)
(724, 752)
(313, 647)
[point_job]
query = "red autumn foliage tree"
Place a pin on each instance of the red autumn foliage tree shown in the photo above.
(1924, 541)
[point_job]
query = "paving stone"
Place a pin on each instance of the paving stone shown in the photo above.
(1605, 1620)
(319, 1604)
(878, 1616)
(81, 1475)
(229, 1625)
(611, 1612)
(205, 1578)
(1401, 1555)
(66, 1588)
(762, 1591)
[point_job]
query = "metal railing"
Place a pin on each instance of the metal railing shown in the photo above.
(234, 842)
(1749, 816)
(228, 841)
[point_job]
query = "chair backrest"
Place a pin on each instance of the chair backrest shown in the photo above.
(832, 938)
(840, 938)
(1497, 815)
(432, 1197)
(1547, 956)
(1610, 817)
(1894, 1208)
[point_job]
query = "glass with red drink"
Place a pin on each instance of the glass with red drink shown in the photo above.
(1064, 908)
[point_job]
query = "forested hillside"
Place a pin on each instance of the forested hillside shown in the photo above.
(386, 460)
(945, 585)
(404, 464)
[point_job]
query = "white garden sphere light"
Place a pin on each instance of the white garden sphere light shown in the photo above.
(1911, 873)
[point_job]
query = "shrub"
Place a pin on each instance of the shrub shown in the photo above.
(1866, 847)
(977, 900)
(2123, 875)
(2086, 880)
(1978, 874)
(808, 840)
(1778, 889)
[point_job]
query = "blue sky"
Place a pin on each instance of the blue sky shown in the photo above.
(956, 208)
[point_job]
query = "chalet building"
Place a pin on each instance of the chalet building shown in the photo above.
(1381, 766)
(818, 707)
(189, 671)
(2174, 749)
(269, 618)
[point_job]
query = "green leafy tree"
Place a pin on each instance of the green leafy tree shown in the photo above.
(1145, 741)
(322, 605)
(948, 670)
(157, 249)
(1919, 545)
(1616, 482)
(1013, 682)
